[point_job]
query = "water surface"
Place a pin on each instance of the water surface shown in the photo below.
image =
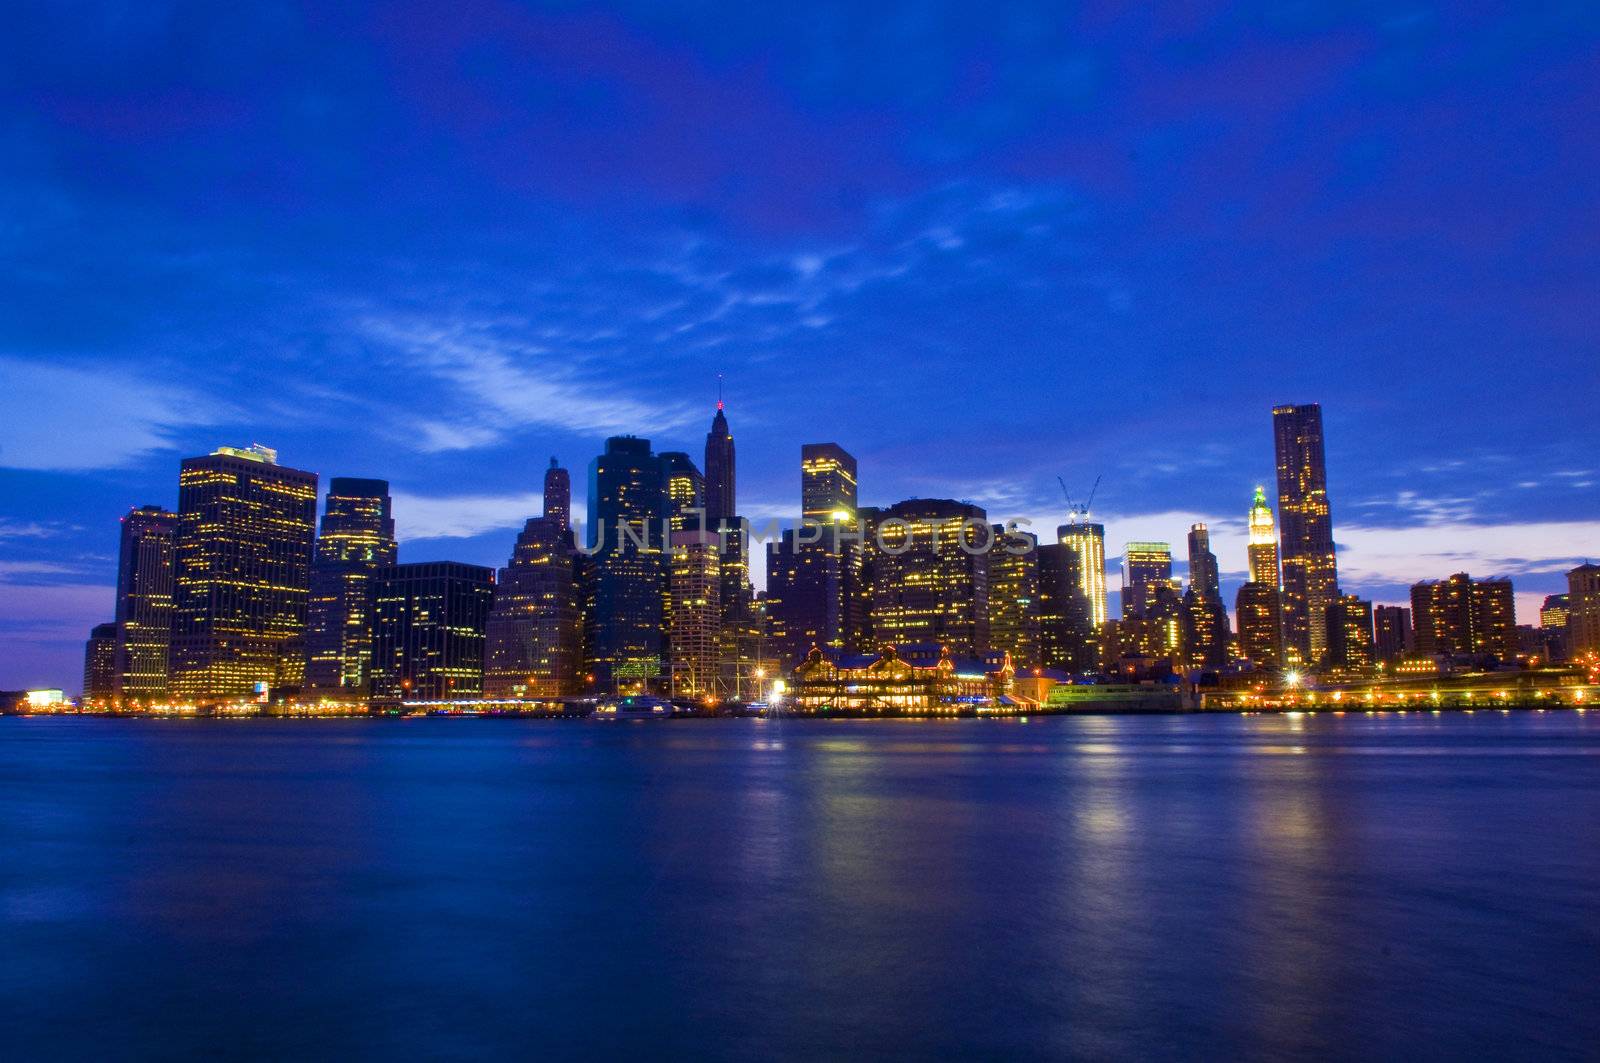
(1356, 886)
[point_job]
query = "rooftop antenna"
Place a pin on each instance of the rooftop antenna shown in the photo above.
(719, 391)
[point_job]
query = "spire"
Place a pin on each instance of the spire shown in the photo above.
(719, 392)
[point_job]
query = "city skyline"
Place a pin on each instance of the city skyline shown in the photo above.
(980, 251)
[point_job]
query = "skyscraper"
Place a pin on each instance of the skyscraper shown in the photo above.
(816, 592)
(1263, 548)
(1014, 595)
(146, 578)
(695, 611)
(1068, 635)
(1259, 608)
(1350, 643)
(244, 546)
(356, 540)
(1146, 568)
(926, 587)
(1583, 612)
(1087, 541)
(534, 631)
(558, 496)
(1310, 572)
(722, 516)
(1392, 640)
(827, 482)
(429, 627)
(100, 665)
(628, 504)
(1203, 575)
(1205, 617)
(721, 496)
(1460, 616)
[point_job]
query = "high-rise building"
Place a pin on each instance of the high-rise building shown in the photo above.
(429, 627)
(1460, 616)
(1263, 548)
(1087, 541)
(927, 587)
(695, 611)
(146, 578)
(356, 540)
(827, 483)
(1393, 638)
(721, 495)
(624, 622)
(100, 665)
(1350, 633)
(1259, 607)
(1014, 595)
(244, 548)
(1553, 625)
(1203, 575)
(1068, 635)
(1309, 570)
(739, 628)
(1583, 612)
(1146, 568)
(1205, 630)
(534, 631)
(558, 496)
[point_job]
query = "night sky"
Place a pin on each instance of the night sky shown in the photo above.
(978, 245)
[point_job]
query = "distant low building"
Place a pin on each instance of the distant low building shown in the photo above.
(893, 681)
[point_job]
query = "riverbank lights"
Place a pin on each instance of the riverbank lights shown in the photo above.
(1292, 679)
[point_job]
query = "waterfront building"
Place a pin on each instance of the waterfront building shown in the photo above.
(1460, 616)
(624, 623)
(1393, 638)
(902, 680)
(1069, 638)
(1263, 541)
(1350, 641)
(100, 665)
(1310, 575)
(146, 582)
(534, 631)
(695, 612)
(1146, 568)
(357, 539)
(1583, 612)
(1014, 595)
(1259, 609)
(243, 550)
(930, 575)
(430, 623)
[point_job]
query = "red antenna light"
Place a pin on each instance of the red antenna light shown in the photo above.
(719, 391)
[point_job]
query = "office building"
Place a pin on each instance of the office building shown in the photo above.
(1203, 575)
(1146, 568)
(1087, 541)
(1014, 595)
(1460, 616)
(926, 587)
(1259, 608)
(827, 483)
(624, 624)
(100, 666)
(1068, 635)
(1392, 640)
(244, 548)
(695, 612)
(1206, 630)
(430, 622)
(1350, 642)
(1310, 577)
(1583, 613)
(357, 539)
(558, 496)
(146, 583)
(534, 631)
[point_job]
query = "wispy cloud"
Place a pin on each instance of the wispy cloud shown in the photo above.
(47, 409)
(463, 516)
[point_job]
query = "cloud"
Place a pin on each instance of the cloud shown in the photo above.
(69, 419)
(463, 516)
(507, 384)
(10, 529)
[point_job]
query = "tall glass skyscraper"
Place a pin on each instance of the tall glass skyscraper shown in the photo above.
(357, 539)
(628, 504)
(146, 581)
(244, 548)
(429, 628)
(1310, 574)
(1087, 541)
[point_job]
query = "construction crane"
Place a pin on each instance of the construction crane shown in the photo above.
(1077, 514)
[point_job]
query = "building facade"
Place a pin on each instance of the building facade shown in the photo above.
(624, 625)
(695, 612)
(1350, 641)
(1087, 540)
(1263, 541)
(100, 666)
(1583, 612)
(430, 623)
(1310, 574)
(1014, 595)
(146, 584)
(1392, 637)
(1146, 571)
(533, 637)
(930, 575)
(1259, 608)
(1459, 616)
(244, 549)
(357, 539)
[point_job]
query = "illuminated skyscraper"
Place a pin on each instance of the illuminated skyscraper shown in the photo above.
(558, 496)
(1583, 612)
(1259, 608)
(357, 539)
(721, 494)
(1350, 642)
(100, 665)
(1263, 548)
(1494, 618)
(1146, 569)
(244, 547)
(722, 515)
(695, 611)
(624, 624)
(1203, 576)
(1068, 636)
(1309, 571)
(534, 631)
(1460, 616)
(827, 482)
(1088, 542)
(429, 625)
(146, 579)
(1205, 617)
(1014, 595)
(926, 588)
(1392, 639)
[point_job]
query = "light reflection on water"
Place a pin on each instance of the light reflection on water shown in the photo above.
(1355, 885)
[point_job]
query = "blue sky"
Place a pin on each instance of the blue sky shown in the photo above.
(978, 245)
